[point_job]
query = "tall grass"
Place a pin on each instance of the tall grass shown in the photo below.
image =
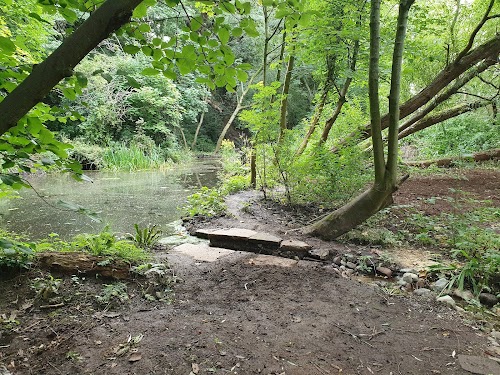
(132, 158)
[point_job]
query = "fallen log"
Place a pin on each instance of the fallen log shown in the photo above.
(450, 162)
(83, 263)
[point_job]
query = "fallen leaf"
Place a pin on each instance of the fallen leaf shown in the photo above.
(135, 357)
(195, 367)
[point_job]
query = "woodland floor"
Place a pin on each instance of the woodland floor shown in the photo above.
(233, 316)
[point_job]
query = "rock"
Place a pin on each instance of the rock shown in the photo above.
(350, 265)
(440, 284)
(410, 278)
(466, 295)
(407, 270)
(321, 254)
(447, 300)
(459, 309)
(422, 292)
(233, 238)
(295, 246)
(349, 272)
(201, 252)
(384, 271)
(263, 243)
(203, 233)
(495, 335)
(488, 299)
(402, 282)
(337, 261)
(478, 365)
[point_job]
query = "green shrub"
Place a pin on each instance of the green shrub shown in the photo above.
(206, 202)
(15, 254)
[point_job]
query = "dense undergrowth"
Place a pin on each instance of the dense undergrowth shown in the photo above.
(18, 252)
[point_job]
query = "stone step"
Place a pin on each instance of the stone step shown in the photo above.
(255, 242)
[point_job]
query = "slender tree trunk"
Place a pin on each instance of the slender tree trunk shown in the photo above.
(200, 122)
(314, 121)
(60, 63)
(343, 92)
(284, 97)
(380, 194)
(239, 107)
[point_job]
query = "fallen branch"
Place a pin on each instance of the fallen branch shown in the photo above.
(82, 263)
(450, 162)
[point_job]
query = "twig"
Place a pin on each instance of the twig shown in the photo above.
(59, 371)
(353, 335)
(52, 306)
(321, 370)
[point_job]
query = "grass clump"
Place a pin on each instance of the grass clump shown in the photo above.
(105, 244)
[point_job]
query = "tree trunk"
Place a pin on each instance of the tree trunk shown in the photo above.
(284, 97)
(195, 139)
(239, 107)
(380, 194)
(314, 121)
(450, 162)
(486, 51)
(440, 117)
(60, 64)
(441, 98)
(343, 92)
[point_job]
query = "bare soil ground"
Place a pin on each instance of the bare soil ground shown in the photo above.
(234, 316)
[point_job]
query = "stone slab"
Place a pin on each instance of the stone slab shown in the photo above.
(204, 233)
(295, 246)
(233, 238)
(269, 260)
(478, 365)
(201, 252)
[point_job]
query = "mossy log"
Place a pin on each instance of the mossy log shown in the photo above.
(82, 263)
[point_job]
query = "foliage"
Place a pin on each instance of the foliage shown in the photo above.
(47, 287)
(113, 294)
(14, 253)
(206, 202)
(145, 238)
(468, 237)
(104, 243)
(161, 279)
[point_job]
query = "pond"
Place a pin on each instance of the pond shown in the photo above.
(121, 200)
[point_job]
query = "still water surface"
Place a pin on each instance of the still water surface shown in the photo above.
(120, 198)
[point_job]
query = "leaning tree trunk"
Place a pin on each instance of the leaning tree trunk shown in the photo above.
(488, 50)
(60, 64)
(380, 194)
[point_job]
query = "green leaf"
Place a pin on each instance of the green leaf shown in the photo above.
(242, 75)
(150, 72)
(131, 49)
(34, 125)
(237, 31)
(144, 28)
(7, 45)
(224, 35)
(142, 9)
(69, 93)
(38, 18)
(133, 82)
